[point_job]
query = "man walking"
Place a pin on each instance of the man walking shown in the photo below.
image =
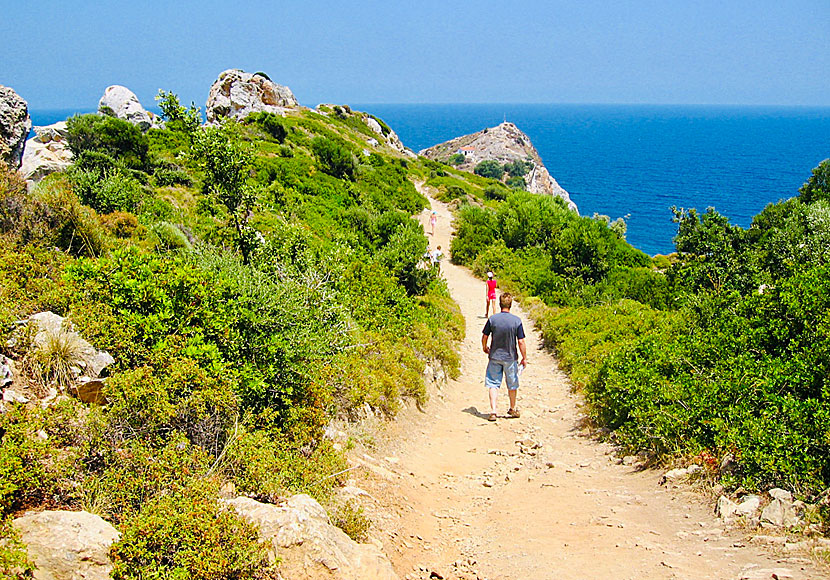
(504, 332)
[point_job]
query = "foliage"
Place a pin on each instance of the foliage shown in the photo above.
(176, 117)
(457, 159)
(817, 186)
(14, 561)
(269, 122)
(188, 534)
(334, 157)
(518, 167)
(108, 135)
(349, 517)
(489, 168)
(226, 162)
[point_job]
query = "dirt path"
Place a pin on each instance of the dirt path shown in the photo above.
(533, 498)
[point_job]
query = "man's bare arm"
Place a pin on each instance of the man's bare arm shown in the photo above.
(523, 350)
(484, 346)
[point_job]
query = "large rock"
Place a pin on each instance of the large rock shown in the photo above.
(503, 144)
(67, 545)
(15, 125)
(237, 94)
(309, 546)
(47, 152)
(122, 103)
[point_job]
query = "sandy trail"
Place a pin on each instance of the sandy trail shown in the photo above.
(456, 495)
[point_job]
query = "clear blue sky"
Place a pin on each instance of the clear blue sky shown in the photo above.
(64, 53)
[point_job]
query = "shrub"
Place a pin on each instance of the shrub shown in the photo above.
(107, 191)
(334, 157)
(818, 186)
(518, 167)
(167, 176)
(178, 118)
(349, 517)
(496, 192)
(115, 137)
(188, 534)
(456, 159)
(269, 122)
(516, 182)
(476, 231)
(169, 236)
(489, 168)
(120, 224)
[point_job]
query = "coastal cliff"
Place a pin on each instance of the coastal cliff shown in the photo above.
(505, 143)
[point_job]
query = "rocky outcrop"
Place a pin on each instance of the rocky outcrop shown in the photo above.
(387, 135)
(121, 102)
(504, 143)
(15, 125)
(308, 545)
(47, 152)
(67, 545)
(237, 94)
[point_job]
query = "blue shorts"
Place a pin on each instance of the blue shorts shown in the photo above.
(496, 369)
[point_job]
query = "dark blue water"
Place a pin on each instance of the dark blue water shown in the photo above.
(636, 161)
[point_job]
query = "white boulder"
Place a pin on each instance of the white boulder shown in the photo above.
(308, 545)
(122, 103)
(68, 545)
(237, 94)
(47, 152)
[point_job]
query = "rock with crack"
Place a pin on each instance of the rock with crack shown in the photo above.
(15, 125)
(236, 94)
(68, 545)
(309, 546)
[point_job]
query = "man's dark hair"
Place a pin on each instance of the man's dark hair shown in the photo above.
(506, 301)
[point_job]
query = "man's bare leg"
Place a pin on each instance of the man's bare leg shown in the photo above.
(494, 400)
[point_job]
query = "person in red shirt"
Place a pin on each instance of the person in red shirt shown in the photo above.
(492, 284)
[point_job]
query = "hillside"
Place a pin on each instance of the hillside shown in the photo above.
(504, 144)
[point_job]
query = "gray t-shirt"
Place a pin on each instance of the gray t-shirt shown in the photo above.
(506, 329)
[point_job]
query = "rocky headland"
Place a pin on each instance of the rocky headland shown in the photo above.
(504, 144)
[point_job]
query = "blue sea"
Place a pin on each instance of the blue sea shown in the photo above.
(636, 161)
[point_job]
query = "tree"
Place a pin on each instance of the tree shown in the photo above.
(818, 186)
(489, 168)
(177, 117)
(226, 163)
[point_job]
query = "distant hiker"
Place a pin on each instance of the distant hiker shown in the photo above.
(492, 284)
(504, 332)
(433, 219)
(436, 258)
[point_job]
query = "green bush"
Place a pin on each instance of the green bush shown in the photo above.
(104, 134)
(188, 534)
(335, 158)
(518, 168)
(456, 159)
(489, 168)
(271, 123)
(107, 191)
